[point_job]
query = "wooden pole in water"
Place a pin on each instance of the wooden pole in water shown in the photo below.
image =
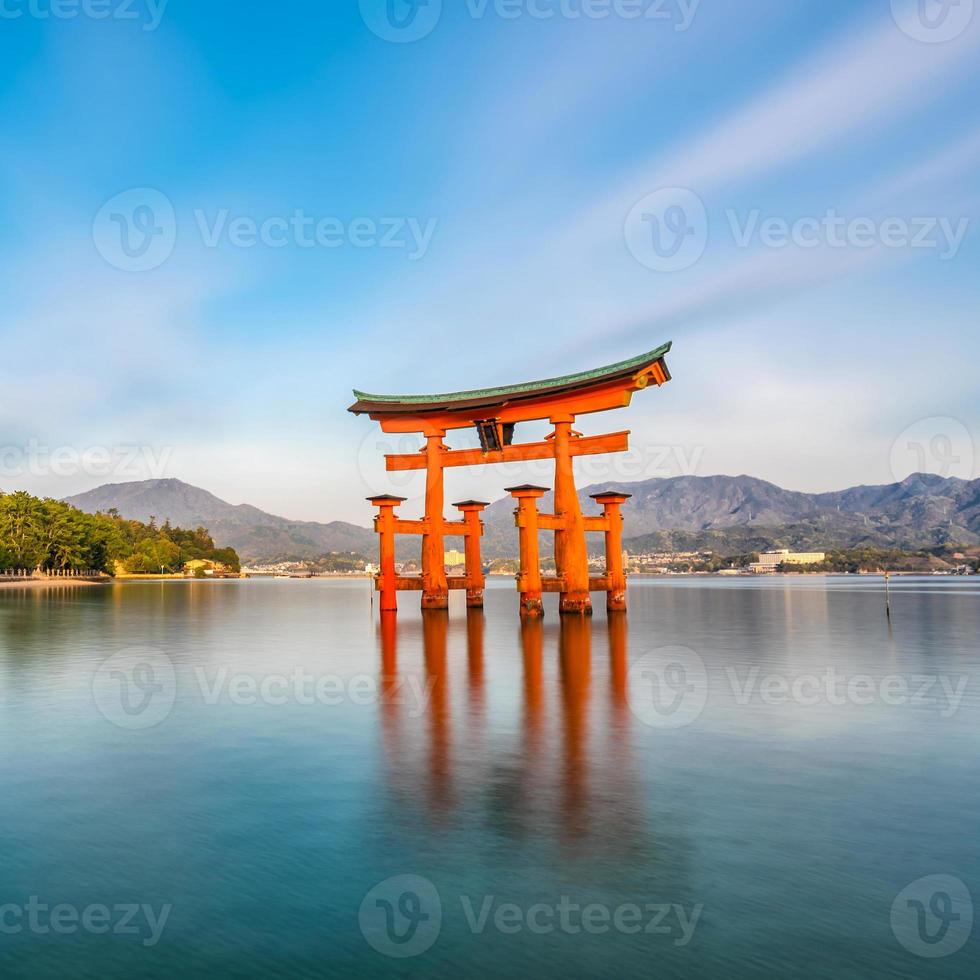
(475, 582)
(529, 578)
(384, 524)
(615, 573)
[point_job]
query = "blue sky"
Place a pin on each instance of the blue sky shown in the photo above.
(494, 199)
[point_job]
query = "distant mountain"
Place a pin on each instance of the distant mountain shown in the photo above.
(738, 514)
(254, 534)
(725, 514)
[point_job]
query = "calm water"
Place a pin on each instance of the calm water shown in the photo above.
(739, 780)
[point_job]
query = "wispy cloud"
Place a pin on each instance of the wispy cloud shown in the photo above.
(864, 80)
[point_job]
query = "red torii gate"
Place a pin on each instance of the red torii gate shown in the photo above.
(494, 413)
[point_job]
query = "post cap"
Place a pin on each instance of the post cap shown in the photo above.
(526, 489)
(387, 498)
(610, 496)
(472, 503)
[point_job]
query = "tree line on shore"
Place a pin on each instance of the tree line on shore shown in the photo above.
(51, 536)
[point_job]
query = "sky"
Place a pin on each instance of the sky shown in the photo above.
(216, 219)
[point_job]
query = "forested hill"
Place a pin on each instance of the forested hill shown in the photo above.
(53, 536)
(254, 534)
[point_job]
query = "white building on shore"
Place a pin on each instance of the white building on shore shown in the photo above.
(769, 561)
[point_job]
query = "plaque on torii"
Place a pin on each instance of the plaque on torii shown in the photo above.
(494, 413)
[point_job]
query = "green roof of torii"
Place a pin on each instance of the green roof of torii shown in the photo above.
(366, 402)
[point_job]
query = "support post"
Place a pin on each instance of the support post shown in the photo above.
(571, 554)
(615, 573)
(384, 524)
(435, 588)
(529, 578)
(475, 581)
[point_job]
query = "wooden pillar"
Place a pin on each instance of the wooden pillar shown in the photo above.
(435, 588)
(384, 524)
(615, 573)
(571, 554)
(529, 578)
(475, 581)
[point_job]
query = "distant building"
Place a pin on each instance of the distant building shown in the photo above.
(199, 566)
(454, 558)
(769, 561)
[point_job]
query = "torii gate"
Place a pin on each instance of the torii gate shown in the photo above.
(494, 413)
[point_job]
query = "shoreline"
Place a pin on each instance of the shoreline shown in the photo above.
(51, 583)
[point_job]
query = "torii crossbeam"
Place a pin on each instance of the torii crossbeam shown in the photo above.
(494, 413)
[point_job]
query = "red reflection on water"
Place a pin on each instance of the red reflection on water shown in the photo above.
(575, 653)
(435, 623)
(568, 769)
(475, 629)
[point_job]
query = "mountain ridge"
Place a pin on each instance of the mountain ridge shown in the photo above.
(721, 513)
(255, 534)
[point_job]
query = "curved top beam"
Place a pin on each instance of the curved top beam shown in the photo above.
(490, 397)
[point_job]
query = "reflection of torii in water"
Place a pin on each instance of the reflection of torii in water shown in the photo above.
(554, 776)
(494, 413)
